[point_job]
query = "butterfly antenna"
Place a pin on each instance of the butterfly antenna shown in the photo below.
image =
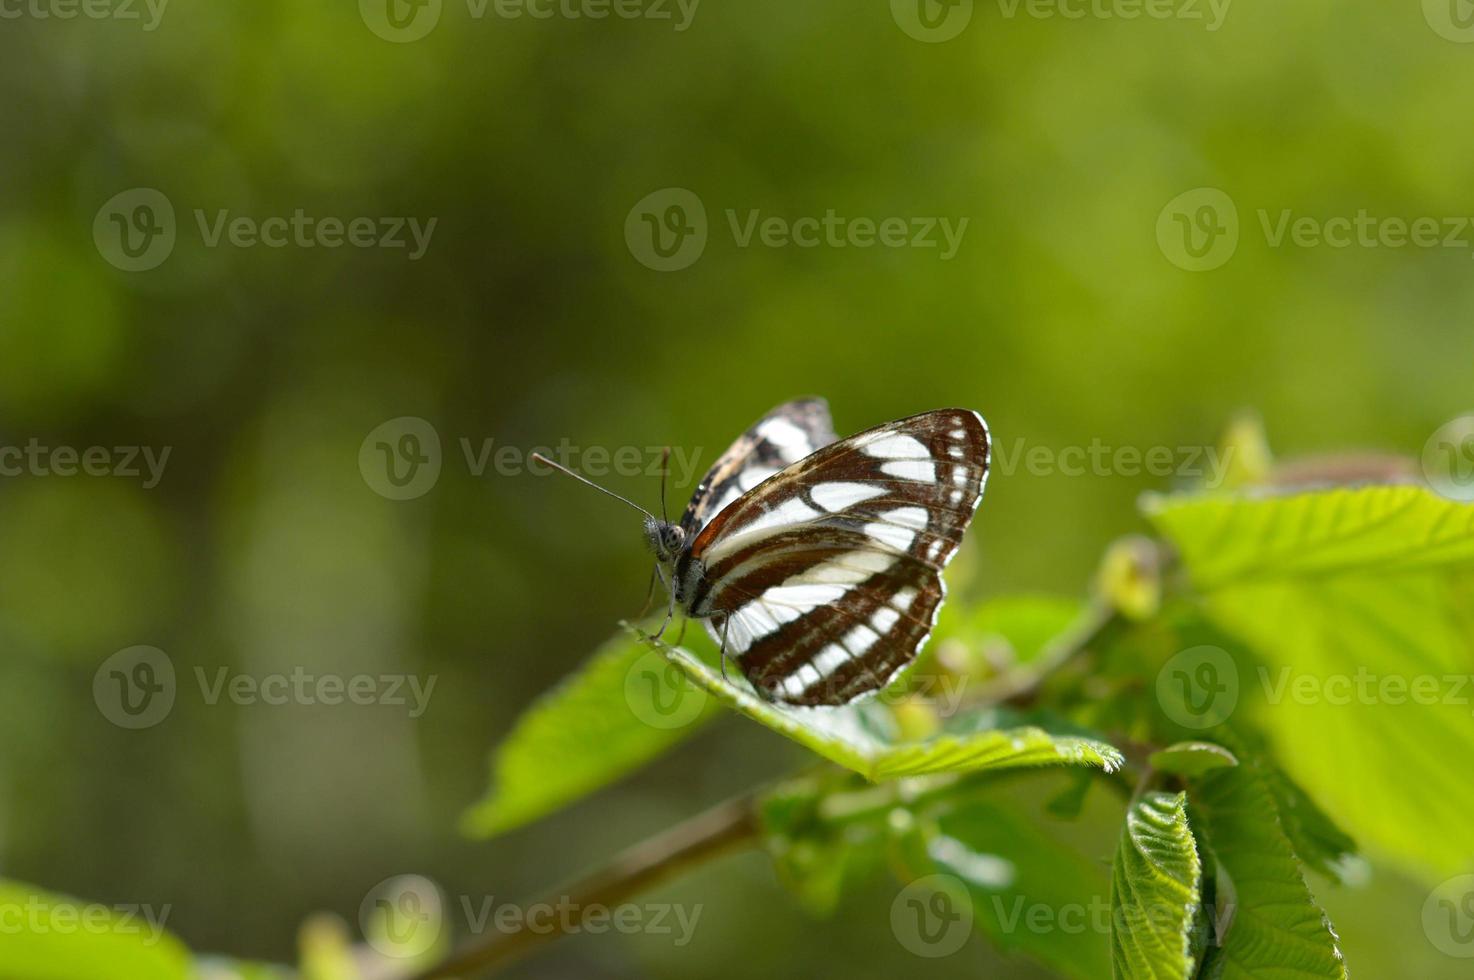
(539, 457)
(664, 467)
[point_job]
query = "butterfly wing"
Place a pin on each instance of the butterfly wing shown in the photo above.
(827, 578)
(784, 436)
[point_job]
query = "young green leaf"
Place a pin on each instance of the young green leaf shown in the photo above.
(1382, 530)
(1191, 758)
(623, 708)
(50, 937)
(1358, 601)
(1273, 925)
(864, 737)
(1155, 891)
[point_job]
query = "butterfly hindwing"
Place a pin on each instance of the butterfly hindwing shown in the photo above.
(785, 435)
(827, 578)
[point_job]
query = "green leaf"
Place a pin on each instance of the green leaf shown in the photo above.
(1317, 840)
(50, 937)
(1068, 802)
(1192, 758)
(1358, 602)
(864, 737)
(1381, 530)
(1033, 892)
(221, 968)
(1155, 888)
(1274, 926)
(623, 708)
(1028, 624)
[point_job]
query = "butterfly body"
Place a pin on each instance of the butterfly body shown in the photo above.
(816, 562)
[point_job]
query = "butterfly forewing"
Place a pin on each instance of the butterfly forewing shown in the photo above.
(784, 436)
(826, 579)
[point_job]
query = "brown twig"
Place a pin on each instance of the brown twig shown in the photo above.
(724, 828)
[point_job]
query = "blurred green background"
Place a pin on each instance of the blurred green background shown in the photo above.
(529, 320)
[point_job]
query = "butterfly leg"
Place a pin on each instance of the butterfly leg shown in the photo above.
(726, 620)
(670, 612)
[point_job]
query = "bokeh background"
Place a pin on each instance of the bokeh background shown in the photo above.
(529, 319)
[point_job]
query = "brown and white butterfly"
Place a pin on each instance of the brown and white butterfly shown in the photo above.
(815, 562)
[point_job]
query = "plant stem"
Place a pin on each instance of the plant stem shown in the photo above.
(724, 828)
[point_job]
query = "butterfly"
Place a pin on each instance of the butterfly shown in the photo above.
(816, 562)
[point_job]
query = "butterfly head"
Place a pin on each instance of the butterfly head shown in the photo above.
(664, 538)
